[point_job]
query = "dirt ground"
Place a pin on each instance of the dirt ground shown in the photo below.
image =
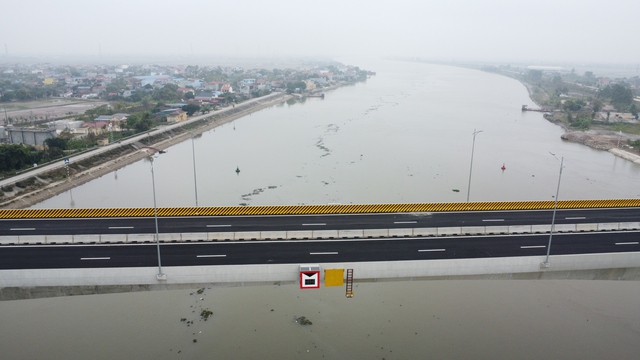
(602, 139)
(47, 109)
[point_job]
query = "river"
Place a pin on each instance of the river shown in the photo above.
(404, 135)
(466, 319)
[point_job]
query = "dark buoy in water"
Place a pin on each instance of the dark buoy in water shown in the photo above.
(237, 170)
(503, 167)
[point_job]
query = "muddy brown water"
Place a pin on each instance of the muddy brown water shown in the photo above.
(465, 319)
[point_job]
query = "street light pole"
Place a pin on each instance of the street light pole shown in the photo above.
(195, 182)
(553, 217)
(160, 275)
(471, 166)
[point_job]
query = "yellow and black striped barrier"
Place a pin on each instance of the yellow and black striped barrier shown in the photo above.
(316, 209)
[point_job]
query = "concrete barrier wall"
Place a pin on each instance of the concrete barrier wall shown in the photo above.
(313, 234)
(561, 266)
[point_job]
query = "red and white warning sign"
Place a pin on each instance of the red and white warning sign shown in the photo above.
(309, 276)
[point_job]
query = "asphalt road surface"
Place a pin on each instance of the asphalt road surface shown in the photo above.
(12, 227)
(312, 251)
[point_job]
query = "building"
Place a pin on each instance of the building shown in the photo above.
(204, 96)
(176, 115)
(30, 136)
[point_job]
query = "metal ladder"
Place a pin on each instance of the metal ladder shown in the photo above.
(349, 293)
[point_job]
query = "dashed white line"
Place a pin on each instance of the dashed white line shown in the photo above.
(120, 227)
(628, 243)
(210, 256)
(575, 218)
(22, 229)
(96, 258)
(218, 225)
(533, 247)
(316, 224)
(497, 220)
(428, 250)
(405, 222)
(324, 253)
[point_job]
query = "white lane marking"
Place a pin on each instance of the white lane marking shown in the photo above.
(210, 256)
(120, 227)
(317, 224)
(493, 220)
(218, 225)
(628, 243)
(21, 229)
(405, 222)
(96, 258)
(575, 218)
(533, 247)
(425, 250)
(324, 253)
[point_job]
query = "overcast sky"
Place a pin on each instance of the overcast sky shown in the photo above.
(494, 30)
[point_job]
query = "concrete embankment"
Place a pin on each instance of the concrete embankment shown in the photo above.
(626, 155)
(29, 284)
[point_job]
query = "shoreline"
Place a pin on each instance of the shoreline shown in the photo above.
(165, 139)
(595, 138)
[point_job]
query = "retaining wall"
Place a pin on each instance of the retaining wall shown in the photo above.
(23, 284)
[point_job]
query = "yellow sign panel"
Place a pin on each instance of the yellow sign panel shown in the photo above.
(333, 277)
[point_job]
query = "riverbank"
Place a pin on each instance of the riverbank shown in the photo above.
(42, 186)
(597, 137)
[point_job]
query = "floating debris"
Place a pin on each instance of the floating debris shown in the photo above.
(206, 313)
(302, 320)
(456, 190)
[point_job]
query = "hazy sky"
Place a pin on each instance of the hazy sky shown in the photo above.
(502, 30)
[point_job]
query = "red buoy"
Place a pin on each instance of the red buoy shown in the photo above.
(503, 167)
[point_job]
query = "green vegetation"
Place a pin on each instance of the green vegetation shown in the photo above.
(302, 320)
(635, 144)
(621, 97)
(292, 86)
(140, 122)
(16, 157)
(191, 109)
(206, 313)
(22, 91)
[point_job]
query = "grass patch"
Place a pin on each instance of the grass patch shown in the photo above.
(26, 183)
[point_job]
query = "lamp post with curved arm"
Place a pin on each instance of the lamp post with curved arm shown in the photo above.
(160, 275)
